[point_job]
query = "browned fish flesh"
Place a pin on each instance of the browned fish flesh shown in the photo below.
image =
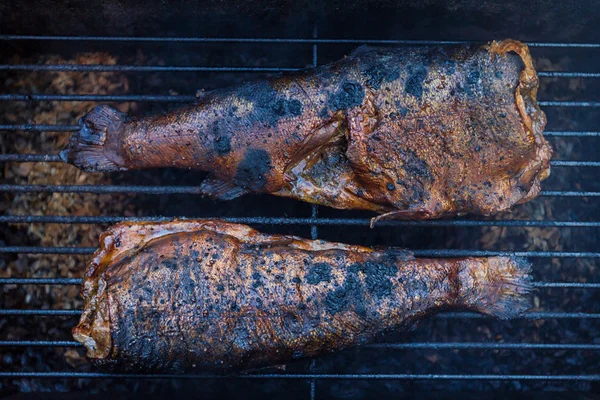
(208, 295)
(411, 133)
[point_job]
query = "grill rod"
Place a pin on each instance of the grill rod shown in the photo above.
(313, 40)
(449, 315)
(418, 253)
(72, 219)
(79, 281)
(395, 346)
(56, 158)
(73, 128)
(158, 189)
(476, 377)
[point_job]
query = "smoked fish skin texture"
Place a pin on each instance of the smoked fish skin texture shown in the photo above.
(208, 295)
(410, 133)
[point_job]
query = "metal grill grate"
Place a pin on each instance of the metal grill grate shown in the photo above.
(315, 222)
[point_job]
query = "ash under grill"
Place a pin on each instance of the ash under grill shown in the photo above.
(553, 347)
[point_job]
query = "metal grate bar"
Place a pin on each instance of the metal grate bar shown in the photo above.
(30, 157)
(571, 134)
(479, 345)
(40, 312)
(418, 253)
(41, 281)
(72, 128)
(569, 103)
(72, 219)
(98, 97)
(187, 190)
(274, 40)
(395, 346)
(56, 158)
(447, 315)
(566, 74)
(79, 281)
(39, 343)
(192, 68)
(135, 68)
(39, 128)
(475, 377)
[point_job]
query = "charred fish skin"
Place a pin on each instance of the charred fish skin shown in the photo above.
(410, 133)
(212, 296)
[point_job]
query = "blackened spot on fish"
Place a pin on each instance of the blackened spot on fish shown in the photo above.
(414, 83)
(252, 170)
(294, 107)
(403, 111)
(350, 295)
(377, 278)
(391, 187)
(415, 166)
(283, 107)
(450, 66)
(473, 77)
(350, 95)
(320, 272)
(234, 307)
(374, 74)
(279, 107)
(296, 280)
(221, 139)
(220, 287)
(324, 113)
(301, 306)
(392, 75)
(257, 280)
(170, 264)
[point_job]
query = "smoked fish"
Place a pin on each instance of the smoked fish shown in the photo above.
(206, 295)
(409, 133)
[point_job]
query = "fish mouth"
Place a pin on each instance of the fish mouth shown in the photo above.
(93, 330)
(534, 119)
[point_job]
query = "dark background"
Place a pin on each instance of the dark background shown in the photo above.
(535, 21)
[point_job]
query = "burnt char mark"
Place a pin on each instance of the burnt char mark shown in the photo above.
(414, 83)
(377, 277)
(320, 272)
(170, 264)
(378, 73)
(374, 74)
(221, 139)
(350, 95)
(472, 80)
(270, 107)
(324, 113)
(415, 166)
(253, 169)
(350, 295)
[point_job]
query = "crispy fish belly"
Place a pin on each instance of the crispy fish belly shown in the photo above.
(411, 132)
(215, 296)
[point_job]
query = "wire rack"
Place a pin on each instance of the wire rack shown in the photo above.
(315, 222)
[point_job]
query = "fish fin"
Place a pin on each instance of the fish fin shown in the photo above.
(221, 190)
(418, 214)
(87, 147)
(502, 290)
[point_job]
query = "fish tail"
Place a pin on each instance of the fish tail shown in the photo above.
(87, 148)
(497, 286)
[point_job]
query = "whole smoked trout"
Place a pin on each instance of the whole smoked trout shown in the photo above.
(410, 133)
(207, 295)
